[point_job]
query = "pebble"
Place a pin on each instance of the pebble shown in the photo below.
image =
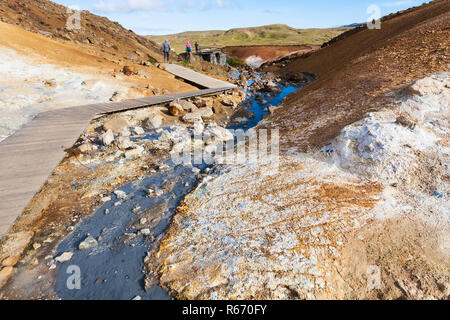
(88, 243)
(120, 194)
(64, 257)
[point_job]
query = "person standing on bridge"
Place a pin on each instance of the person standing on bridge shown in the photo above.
(166, 50)
(188, 51)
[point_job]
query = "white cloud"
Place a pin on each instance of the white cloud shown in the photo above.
(399, 3)
(128, 5)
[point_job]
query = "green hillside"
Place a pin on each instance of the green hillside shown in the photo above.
(266, 35)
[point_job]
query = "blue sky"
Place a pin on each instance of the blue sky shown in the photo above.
(172, 16)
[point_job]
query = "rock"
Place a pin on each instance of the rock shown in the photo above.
(116, 125)
(186, 105)
(154, 121)
(403, 121)
(125, 132)
(86, 147)
(146, 232)
(120, 194)
(50, 83)
(156, 92)
(165, 91)
(143, 221)
(192, 118)
(133, 57)
(205, 113)
(204, 102)
(228, 103)
(144, 74)
(127, 70)
(135, 153)
(118, 96)
(176, 109)
(125, 143)
(66, 256)
(88, 243)
(45, 33)
(219, 133)
(425, 87)
(139, 131)
(108, 138)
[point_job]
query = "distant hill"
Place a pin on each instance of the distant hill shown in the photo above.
(277, 34)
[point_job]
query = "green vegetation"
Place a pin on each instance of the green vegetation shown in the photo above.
(266, 35)
(236, 63)
(152, 60)
(115, 47)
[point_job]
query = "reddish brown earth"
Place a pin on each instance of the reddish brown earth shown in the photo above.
(267, 53)
(356, 74)
(97, 32)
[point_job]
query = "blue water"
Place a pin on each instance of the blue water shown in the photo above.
(260, 110)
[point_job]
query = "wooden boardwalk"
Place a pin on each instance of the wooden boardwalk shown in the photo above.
(195, 77)
(30, 155)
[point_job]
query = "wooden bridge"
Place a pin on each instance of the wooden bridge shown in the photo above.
(30, 155)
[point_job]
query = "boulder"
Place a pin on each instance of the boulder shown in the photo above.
(154, 121)
(425, 87)
(88, 243)
(116, 125)
(192, 118)
(139, 131)
(135, 153)
(64, 257)
(205, 113)
(108, 138)
(176, 109)
(125, 143)
(187, 106)
(204, 102)
(228, 103)
(127, 70)
(156, 92)
(219, 133)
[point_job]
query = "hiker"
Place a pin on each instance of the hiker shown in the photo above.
(166, 50)
(197, 48)
(188, 51)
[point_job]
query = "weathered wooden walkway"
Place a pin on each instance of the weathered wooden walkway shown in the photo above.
(195, 77)
(29, 156)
